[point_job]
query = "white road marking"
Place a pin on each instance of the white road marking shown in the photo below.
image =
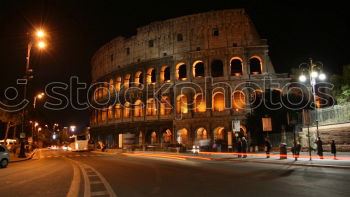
(74, 186)
(99, 193)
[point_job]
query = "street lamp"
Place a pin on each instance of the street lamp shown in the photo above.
(312, 72)
(38, 96)
(35, 38)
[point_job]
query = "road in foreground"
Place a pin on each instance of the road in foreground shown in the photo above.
(59, 173)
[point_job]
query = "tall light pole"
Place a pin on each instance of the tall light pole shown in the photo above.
(38, 96)
(312, 72)
(38, 39)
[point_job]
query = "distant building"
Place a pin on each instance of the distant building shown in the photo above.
(181, 80)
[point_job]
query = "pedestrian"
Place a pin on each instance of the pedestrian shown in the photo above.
(297, 150)
(334, 149)
(239, 148)
(319, 147)
(267, 147)
(244, 147)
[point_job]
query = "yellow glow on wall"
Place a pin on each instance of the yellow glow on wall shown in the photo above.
(118, 83)
(118, 111)
(181, 104)
(110, 112)
(127, 81)
(202, 134)
(165, 106)
(138, 109)
(219, 133)
(238, 100)
(200, 105)
(151, 107)
(218, 101)
(126, 110)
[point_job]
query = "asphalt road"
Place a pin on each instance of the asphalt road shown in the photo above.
(61, 174)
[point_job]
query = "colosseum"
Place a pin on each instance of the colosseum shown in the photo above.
(181, 81)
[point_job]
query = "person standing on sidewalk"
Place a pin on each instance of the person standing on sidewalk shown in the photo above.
(267, 147)
(239, 147)
(319, 147)
(244, 147)
(334, 149)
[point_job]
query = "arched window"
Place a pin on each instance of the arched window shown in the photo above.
(219, 133)
(236, 66)
(118, 83)
(140, 138)
(255, 65)
(99, 115)
(165, 106)
(218, 101)
(105, 89)
(118, 111)
(151, 76)
(126, 110)
(165, 74)
(151, 107)
(127, 81)
(199, 103)
(238, 100)
(217, 68)
(138, 108)
(138, 79)
(181, 104)
(181, 72)
(110, 112)
(256, 97)
(182, 136)
(201, 134)
(198, 69)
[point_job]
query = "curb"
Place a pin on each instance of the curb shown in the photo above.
(288, 164)
(26, 159)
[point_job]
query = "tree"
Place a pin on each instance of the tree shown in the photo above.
(341, 83)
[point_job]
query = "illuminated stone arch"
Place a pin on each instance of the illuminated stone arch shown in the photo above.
(219, 133)
(181, 71)
(117, 111)
(181, 104)
(110, 112)
(236, 66)
(138, 78)
(126, 110)
(111, 85)
(127, 81)
(238, 100)
(165, 74)
(118, 83)
(199, 103)
(182, 136)
(255, 65)
(151, 107)
(198, 69)
(154, 138)
(165, 105)
(218, 101)
(201, 134)
(167, 136)
(151, 76)
(138, 108)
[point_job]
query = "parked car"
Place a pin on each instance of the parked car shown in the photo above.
(4, 156)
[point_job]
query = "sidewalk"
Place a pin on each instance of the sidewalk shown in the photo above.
(14, 157)
(343, 159)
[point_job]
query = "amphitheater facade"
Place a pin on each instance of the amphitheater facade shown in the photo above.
(181, 81)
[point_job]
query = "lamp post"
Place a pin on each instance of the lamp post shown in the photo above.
(37, 38)
(311, 72)
(38, 96)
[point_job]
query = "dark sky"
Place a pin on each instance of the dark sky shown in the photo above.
(295, 31)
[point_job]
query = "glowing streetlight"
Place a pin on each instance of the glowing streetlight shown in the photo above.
(302, 78)
(38, 96)
(322, 76)
(40, 34)
(72, 128)
(41, 45)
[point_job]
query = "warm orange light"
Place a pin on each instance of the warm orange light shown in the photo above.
(41, 44)
(40, 34)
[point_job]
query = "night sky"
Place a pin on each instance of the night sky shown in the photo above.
(295, 32)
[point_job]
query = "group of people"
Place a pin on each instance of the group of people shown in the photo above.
(319, 144)
(242, 147)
